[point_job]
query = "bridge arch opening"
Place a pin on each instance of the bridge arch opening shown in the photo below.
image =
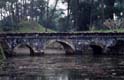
(118, 48)
(23, 49)
(97, 50)
(59, 47)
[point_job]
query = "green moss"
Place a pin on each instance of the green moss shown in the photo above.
(114, 30)
(31, 26)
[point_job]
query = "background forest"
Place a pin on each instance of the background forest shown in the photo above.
(47, 16)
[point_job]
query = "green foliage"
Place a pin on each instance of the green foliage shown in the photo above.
(94, 12)
(31, 26)
(114, 30)
(81, 14)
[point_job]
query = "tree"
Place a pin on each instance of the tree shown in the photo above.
(109, 8)
(88, 12)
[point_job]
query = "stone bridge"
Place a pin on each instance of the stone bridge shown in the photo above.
(73, 43)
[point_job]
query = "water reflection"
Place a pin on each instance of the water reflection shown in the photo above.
(60, 67)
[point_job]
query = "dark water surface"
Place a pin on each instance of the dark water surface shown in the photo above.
(60, 67)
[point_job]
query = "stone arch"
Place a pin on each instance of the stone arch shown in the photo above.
(68, 46)
(27, 46)
(118, 48)
(97, 49)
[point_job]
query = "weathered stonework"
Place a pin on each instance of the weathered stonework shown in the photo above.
(73, 43)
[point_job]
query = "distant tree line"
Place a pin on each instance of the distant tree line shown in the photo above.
(81, 14)
(14, 11)
(86, 13)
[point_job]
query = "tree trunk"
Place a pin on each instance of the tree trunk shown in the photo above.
(53, 11)
(91, 13)
(102, 10)
(47, 15)
(31, 12)
(12, 15)
(68, 13)
(110, 9)
(1, 13)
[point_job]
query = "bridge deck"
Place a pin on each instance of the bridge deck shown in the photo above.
(64, 33)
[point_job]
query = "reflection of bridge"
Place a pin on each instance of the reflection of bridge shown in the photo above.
(73, 43)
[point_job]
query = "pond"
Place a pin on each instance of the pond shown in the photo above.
(62, 67)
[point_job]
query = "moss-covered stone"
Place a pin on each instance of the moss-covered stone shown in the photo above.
(2, 56)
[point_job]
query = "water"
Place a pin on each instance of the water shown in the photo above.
(61, 67)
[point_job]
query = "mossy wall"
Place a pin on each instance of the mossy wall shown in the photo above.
(2, 56)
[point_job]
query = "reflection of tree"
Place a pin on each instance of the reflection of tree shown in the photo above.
(55, 74)
(75, 75)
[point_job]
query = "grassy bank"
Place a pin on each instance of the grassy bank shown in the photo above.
(31, 26)
(25, 26)
(114, 30)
